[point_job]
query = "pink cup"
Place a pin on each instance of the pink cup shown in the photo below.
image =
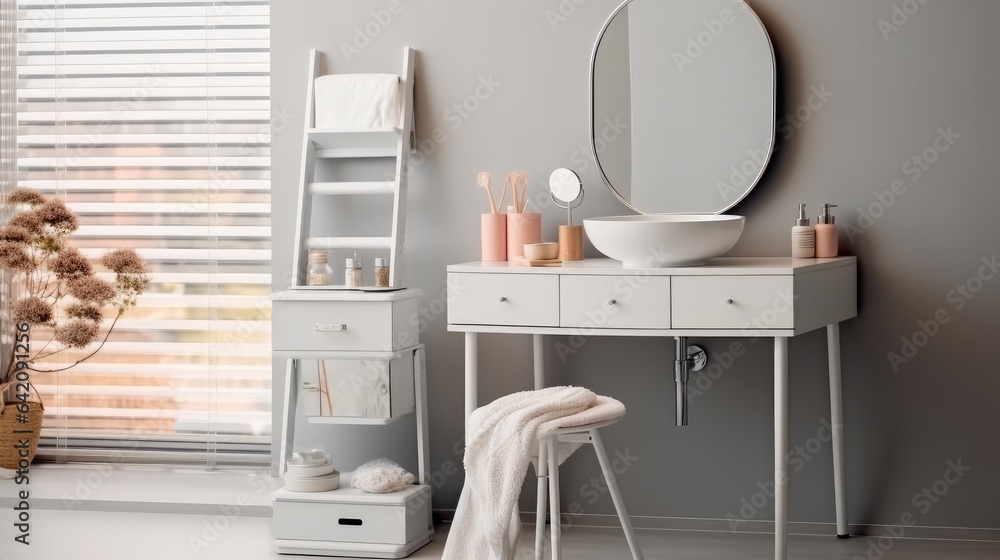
(494, 234)
(522, 228)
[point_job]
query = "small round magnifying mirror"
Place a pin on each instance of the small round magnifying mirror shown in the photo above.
(565, 187)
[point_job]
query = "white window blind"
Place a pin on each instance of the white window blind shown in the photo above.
(8, 100)
(8, 150)
(152, 119)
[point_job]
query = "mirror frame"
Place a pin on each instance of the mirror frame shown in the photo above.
(593, 124)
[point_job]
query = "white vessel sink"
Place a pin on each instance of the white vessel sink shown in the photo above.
(662, 240)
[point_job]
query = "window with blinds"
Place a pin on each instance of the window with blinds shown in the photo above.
(8, 152)
(152, 118)
(8, 99)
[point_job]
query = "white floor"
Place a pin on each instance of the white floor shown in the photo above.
(63, 535)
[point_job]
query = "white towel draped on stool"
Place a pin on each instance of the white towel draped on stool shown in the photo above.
(502, 438)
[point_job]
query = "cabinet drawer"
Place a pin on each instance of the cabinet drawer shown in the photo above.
(732, 302)
(615, 302)
(359, 523)
(353, 517)
(343, 325)
(504, 299)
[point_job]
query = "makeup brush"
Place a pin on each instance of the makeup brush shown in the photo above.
(484, 181)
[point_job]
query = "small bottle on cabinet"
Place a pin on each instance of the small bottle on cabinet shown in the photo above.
(354, 275)
(803, 236)
(826, 234)
(319, 272)
(381, 272)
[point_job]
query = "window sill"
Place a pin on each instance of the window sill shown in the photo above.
(145, 489)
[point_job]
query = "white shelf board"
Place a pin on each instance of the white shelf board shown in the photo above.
(342, 288)
(348, 495)
(351, 550)
(335, 143)
(300, 294)
(359, 243)
(372, 355)
(357, 420)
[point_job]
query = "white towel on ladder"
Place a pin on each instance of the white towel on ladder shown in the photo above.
(503, 437)
(358, 101)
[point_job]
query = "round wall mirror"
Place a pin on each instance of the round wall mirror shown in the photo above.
(682, 104)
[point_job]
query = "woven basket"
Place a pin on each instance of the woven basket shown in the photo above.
(9, 426)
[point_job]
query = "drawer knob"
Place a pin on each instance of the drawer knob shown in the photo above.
(321, 327)
(503, 299)
(729, 302)
(613, 302)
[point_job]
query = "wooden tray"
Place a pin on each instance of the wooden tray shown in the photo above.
(547, 262)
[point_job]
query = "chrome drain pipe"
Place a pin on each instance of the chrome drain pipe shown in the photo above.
(687, 359)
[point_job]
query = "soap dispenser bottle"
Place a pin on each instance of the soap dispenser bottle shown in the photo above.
(803, 236)
(826, 234)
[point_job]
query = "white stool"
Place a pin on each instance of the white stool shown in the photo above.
(547, 468)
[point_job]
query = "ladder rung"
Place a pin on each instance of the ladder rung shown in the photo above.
(350, 153)
(380, 142)
(331, 243)
(364, 187)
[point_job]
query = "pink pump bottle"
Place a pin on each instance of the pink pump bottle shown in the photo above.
(826, 234)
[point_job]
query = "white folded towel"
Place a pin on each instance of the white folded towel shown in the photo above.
(358, 101)
(503, 437)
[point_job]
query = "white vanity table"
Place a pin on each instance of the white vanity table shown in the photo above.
(774, 297)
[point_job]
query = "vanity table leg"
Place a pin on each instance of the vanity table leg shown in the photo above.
(538, 347)
(288, 426)
(471, 376)
(780, 448)
(420, 394)
(837, 426)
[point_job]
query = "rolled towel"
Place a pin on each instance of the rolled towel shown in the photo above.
(381, 476)
(358, 101)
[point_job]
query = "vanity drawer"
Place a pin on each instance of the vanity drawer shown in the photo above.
(615, 302)
(732, 302)
(343, 325)
(504, 299)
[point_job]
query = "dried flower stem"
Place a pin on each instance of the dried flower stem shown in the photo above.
(83, 359)
(48, 271)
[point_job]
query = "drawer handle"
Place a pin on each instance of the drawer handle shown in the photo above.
(503, 299)
(349, 521)
(336, 327)
(613, 302)
(729, 302)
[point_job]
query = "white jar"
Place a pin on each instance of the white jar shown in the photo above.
(319, 272)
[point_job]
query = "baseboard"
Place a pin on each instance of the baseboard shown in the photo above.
(759, 527)
(125, 506)
(136, 489)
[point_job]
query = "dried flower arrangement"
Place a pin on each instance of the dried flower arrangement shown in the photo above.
(56, 285)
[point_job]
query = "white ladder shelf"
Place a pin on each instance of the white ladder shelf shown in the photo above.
(321, 144)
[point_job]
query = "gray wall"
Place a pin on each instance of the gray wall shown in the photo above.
(890, 97)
